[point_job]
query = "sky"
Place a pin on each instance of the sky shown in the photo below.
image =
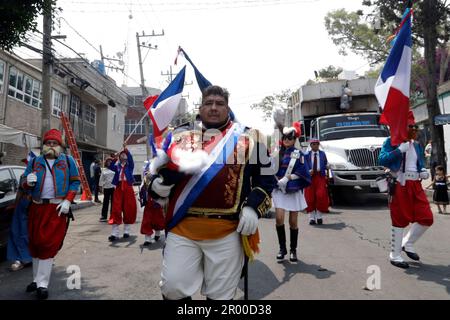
(254, 48)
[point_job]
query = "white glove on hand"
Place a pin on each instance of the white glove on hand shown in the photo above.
(403, 147)
(63, 207)
(424, 175)
(31, 179)
(294, 177)
(282, 183)
(160, 189)
(248, 221)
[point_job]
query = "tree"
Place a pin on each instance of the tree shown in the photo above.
(431, 29)
(330, 72)
(266, 105)
(17, 17)
(350, 32)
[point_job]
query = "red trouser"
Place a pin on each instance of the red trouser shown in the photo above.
(153, 218)
(46, 230)
(410, 204)
(316, 194)
(124, 201)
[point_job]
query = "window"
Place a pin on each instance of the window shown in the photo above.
(114, 122)
(24, 88)
(131, 124)
(135, 101)
(2, 74)
(18, 172)
(90, 114)
(57, 102)
(75, 105)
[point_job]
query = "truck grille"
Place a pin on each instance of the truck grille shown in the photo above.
(364, 157)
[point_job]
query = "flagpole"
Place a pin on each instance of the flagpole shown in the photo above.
(135, 127)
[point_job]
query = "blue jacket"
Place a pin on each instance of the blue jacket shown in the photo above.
(391, 157)
(66, 179)
(323, 161)
(116, 166)
(301, 169)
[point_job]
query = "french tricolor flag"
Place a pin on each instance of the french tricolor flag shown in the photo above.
(392, 88)
(162, 108)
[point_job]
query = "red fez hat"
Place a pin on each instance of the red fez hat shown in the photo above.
(53, 134)
(314, 140)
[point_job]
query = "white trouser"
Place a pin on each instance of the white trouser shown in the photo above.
(318, 214)
(43, 272)
(215, 265)
(396, 244)
(35, 268)
(149, 238)
(115, 230)
(312, 215)
(127, 228)
(415, 232)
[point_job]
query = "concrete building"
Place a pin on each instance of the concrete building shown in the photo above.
(94, 104)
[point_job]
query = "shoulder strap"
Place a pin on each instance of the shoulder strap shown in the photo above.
(68, 162)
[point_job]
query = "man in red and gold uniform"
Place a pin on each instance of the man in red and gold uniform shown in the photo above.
(215, 200)
(53, 181)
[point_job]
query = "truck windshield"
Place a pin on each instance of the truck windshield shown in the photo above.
(351, 126)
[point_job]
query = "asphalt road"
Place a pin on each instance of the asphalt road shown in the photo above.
(334, 261)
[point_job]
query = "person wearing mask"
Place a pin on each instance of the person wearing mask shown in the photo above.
(53, 181)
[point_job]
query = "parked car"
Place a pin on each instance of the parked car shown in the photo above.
(9, 184)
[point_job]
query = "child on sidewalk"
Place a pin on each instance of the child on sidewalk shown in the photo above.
(439, 184)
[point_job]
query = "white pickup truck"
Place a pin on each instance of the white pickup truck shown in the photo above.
(352, 143)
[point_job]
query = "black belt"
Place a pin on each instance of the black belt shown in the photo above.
(234, 216)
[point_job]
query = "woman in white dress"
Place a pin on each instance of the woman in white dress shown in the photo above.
(293, 176)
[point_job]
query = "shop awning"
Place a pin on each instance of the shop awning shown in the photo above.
(18, 137)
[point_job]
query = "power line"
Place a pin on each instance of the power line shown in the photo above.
(192, 6)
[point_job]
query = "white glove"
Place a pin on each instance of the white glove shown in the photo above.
(282, 183)
(63, 207)
(31, 179)
(160, 189)
(424, 175)
(403, 147)
(294, 177)
(248, 221)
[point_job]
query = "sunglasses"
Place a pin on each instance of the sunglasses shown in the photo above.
(288, 138)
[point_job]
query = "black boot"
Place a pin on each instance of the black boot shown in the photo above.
(294, 238)
(282, 241)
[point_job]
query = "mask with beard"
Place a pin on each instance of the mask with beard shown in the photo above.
(52, 152)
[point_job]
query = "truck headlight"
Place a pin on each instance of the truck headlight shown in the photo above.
(338, 166)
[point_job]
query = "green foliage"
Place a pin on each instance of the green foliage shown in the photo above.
(266, 105)
(17, 17)
(330, 72)
(390, 12)
(350, 32)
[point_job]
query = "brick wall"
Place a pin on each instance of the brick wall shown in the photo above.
(14, 154)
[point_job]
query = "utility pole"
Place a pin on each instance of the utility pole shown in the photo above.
(141, 70)
(120, 61)
(170, 74)
(47, 61)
